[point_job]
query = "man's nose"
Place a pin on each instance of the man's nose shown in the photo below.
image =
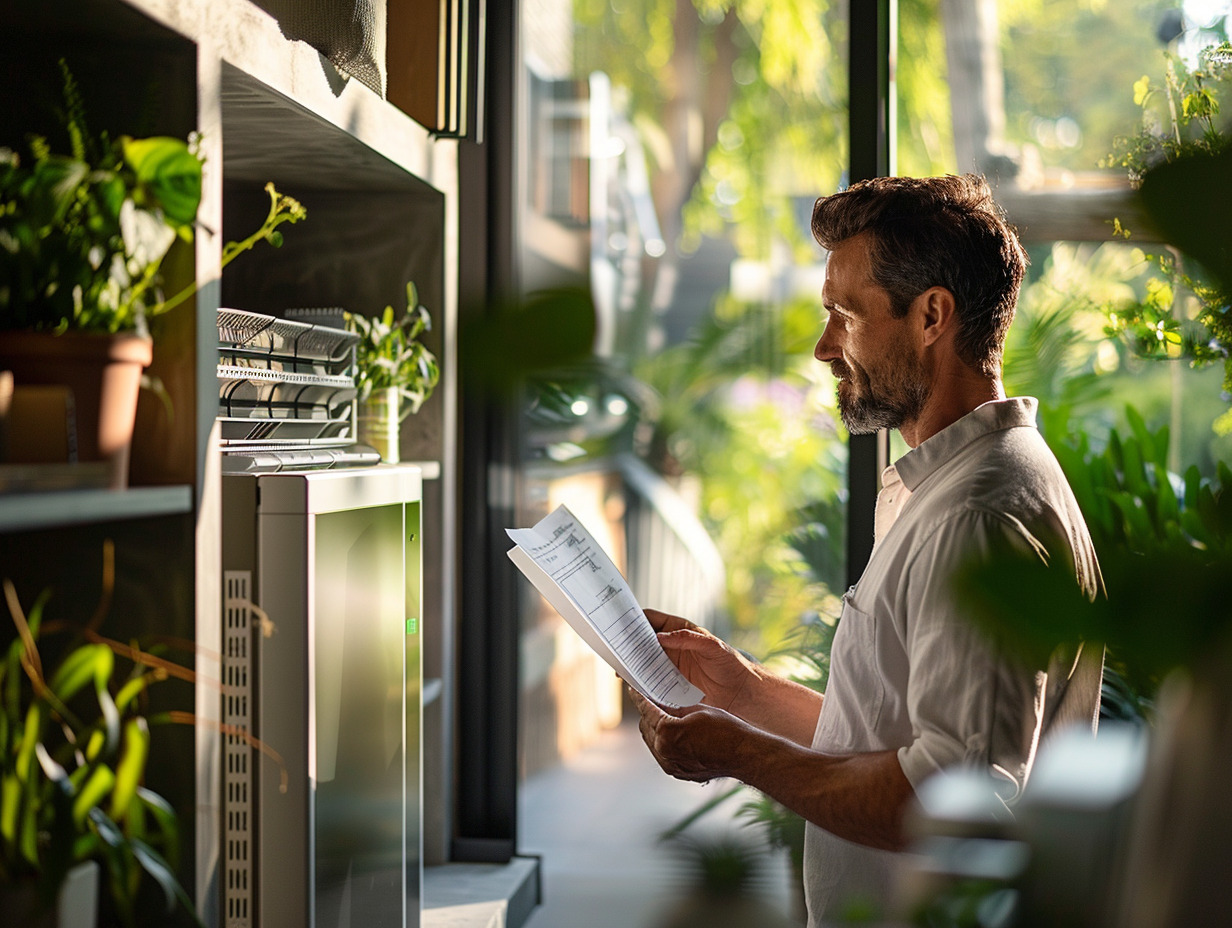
(825, 350)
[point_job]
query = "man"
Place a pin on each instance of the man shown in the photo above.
(921, 284)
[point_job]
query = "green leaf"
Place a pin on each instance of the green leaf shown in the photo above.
(1193, 482)
(110, 191)
(1167, 506)
(169, 173)
(134, 687)
(35, 718)
(1137, 524)
(131, 766)
(161, 809)
(27, 837)
(10, 807)
(1133, 468)
(83, 666)
(1113, 452)
(153, 863)
(52, 189)
(91, 794)
(111, 716)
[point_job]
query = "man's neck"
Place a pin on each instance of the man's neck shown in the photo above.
(950, 401)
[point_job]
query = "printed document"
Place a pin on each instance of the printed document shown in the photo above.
(565, 563)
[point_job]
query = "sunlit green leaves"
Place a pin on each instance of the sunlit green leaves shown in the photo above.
(69, 750)
(1180, 159)
(52, 189)
(743, 405)
(83, 236)
(390, 353)
(765, 76)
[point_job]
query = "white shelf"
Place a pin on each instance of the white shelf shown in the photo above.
(29, 511)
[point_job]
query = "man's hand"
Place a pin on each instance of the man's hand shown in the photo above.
(694, 743)
(736, 685)
(859, 797)
(707, 662)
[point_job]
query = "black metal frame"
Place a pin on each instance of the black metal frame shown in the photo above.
(871, 114)
(485, 813)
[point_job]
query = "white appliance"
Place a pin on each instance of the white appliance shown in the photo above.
(321, 662)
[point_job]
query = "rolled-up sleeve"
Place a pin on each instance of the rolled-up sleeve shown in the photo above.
(965, 696)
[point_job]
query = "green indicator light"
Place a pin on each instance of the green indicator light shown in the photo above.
(412, 626)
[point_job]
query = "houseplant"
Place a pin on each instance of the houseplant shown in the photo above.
(83, 239)
(395, 373)
(74, 745)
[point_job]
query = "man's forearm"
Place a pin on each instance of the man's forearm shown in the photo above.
(859, 797)
(781, 707)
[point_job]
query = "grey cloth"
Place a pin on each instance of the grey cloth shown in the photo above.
(908, 672)
(350, 33)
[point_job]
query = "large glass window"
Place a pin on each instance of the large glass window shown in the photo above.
(703, 438)
(1051, 100)
(672, 154)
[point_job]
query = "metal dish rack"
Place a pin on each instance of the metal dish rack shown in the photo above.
(285, 386)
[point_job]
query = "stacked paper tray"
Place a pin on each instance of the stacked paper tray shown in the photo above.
(283, 383)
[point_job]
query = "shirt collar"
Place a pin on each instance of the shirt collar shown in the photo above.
(990, 417)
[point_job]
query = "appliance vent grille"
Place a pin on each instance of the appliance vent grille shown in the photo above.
(238, 838)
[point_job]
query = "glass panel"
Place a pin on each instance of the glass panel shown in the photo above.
(1051, 99)
(359, 790)
(674, 151)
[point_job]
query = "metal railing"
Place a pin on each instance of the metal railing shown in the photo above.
(673, 565)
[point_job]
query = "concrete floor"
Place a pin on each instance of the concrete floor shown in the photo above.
(594, 821)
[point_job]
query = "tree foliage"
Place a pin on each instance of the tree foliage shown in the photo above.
(743, 403)
(739, 104)
(1063, 61)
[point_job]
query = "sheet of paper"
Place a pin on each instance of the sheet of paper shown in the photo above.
(573, 573)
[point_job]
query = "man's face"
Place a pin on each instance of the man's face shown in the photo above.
(882, 381)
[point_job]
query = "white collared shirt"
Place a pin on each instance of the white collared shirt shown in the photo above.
(911, 674)
(890, 501)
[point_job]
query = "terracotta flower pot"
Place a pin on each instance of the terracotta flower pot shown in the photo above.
(104, 374)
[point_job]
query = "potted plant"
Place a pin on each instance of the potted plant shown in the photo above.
(83, 237)
(74, 744)
(395, 373)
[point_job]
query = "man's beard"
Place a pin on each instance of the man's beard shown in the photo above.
(899, 397)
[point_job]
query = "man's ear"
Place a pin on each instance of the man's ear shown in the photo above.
(938, 315)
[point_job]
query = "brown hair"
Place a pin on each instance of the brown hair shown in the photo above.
(935, 232)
